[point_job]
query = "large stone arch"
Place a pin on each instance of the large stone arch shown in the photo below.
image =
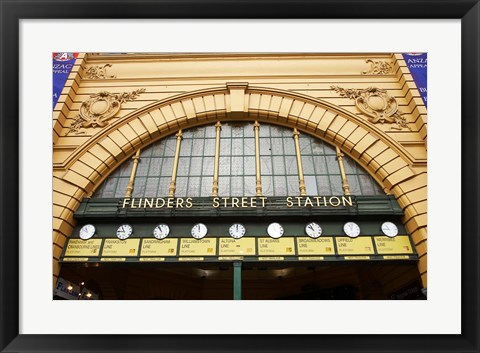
(384, 158)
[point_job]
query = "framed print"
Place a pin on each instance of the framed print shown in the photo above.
(239, 177)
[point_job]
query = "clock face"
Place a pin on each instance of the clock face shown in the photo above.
(124, 231)
(351, 229)
(87, 231)
(199, 230)
(313, 230)
(237, 231)
(161, 231)
(275, 230)
(389, 229)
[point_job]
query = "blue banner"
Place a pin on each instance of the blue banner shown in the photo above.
(62, 65)
(417, 64)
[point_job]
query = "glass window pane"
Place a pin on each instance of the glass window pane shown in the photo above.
(207, 184)
(277, 146)
(311, 185)
(225, 147)
(320, 164)
(336, 184)
(181, 187)
(142, 168)
(354, 185)
(224, 167)
(237, 166)
(237, 147)
(210, 131)
(158, 149)
(323, 185)
(196, 166)
(249, 186)
(265, 147)
(265, 166)
(151, 187)
(317, 147)
(186, 147)
(249, 146)
(329, 149)
(332, 165)
(110, 187)
(293, 186)
(291, 165)
(197, 149)
(224, 186)
(349, 165)
(250, 168)
(183, 166)
(126, 168)
(193, 189)
(280, 186)
(163, 187)
(236, 186)
(167, 167)
(307, 163)
(139, 187)
(289, 146)
(209, 147)
(208, 165)
(278, 165)
(267, 185)
(155, 164)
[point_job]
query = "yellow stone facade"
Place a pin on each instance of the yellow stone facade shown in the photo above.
(187, 90)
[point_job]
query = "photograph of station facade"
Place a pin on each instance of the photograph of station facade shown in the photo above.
(227, 176)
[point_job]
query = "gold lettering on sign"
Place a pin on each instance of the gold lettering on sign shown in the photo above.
(239, 202)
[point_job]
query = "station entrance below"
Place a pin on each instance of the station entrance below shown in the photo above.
(249, 281)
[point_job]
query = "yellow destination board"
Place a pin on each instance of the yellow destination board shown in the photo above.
(79, 247)
(272, 247)
(155, 247)
(117, 247)
(319, 246)
(200, 247)
(354, 246)
(398, 245)
(230, 246)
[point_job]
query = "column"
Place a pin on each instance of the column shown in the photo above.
(131, 182)
(345, 186)
(171, 189)
(258, 183)
(301, 178)
(218, 127)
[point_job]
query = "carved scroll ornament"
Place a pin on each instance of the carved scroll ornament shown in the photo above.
(99, 108)
(376, 104)
(378, 68)
(98, 72)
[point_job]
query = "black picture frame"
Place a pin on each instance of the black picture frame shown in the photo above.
(13, 11)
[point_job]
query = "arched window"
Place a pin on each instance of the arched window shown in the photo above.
(237, 160)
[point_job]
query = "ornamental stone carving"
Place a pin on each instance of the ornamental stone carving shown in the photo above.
(378, 68)
(98, 72)
(376, 104)
(99, 108)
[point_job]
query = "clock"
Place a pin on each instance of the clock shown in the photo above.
(275, 230)
(87, 231)
(161, 231)
(313, 230)
(124, 231)
(389, 229)
(199, 230)
(237, 230)
(351, 229)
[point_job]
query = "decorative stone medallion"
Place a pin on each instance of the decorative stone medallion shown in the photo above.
(99, 108)
(376, 104)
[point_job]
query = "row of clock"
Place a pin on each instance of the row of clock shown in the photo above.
(237, 230)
